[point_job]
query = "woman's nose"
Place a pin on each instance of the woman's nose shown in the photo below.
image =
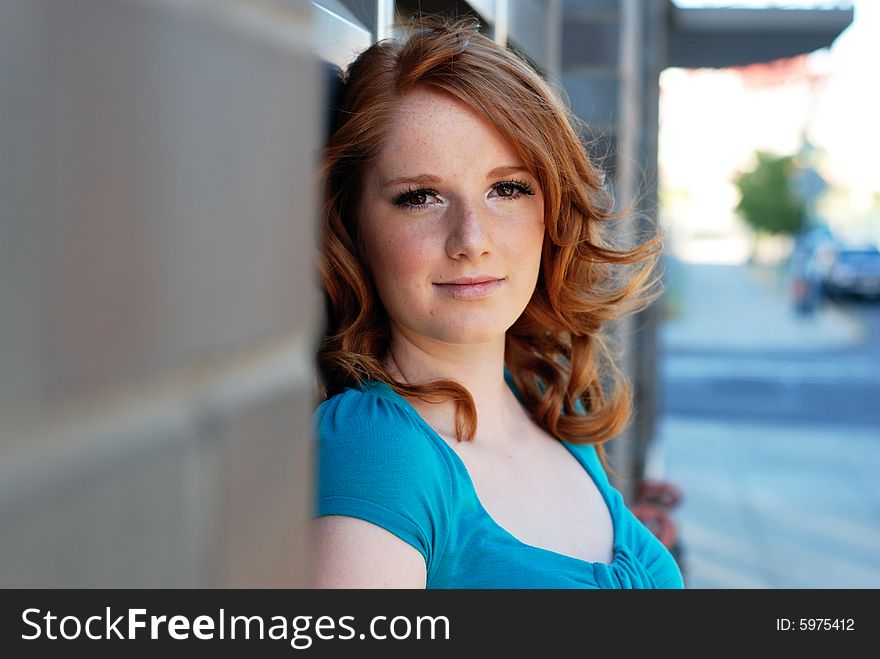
(468, 237)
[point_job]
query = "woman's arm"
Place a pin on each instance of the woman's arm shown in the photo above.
(348, 552)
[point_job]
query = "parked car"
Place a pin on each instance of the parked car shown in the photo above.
(853, 271)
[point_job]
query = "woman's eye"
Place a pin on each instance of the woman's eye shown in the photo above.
(512, 189)
(415, 198)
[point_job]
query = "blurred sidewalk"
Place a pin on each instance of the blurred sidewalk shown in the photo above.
(745, 309)
(779, 503)
(766, 506)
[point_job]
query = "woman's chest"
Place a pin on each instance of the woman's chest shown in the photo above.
(542, 496)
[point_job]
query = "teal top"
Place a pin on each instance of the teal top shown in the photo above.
(379, 461)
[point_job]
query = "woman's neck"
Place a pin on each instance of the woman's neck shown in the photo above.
(479, 368)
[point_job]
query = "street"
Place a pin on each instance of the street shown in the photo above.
(770, 423)
(840, 386)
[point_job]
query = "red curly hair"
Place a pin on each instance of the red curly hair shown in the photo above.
(559, 357)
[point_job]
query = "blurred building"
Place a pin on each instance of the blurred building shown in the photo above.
(158, 306)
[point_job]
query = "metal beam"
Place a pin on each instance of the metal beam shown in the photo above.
(719, 37)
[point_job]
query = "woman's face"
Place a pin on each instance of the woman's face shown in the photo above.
(451, 222)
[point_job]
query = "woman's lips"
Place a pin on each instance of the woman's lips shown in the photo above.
(471, 291)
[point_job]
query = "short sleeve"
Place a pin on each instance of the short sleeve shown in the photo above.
(376, 463)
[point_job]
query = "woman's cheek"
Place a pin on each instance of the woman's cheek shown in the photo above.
(410, 252)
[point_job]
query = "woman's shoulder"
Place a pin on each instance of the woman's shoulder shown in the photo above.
(369, 406)
(372, 423)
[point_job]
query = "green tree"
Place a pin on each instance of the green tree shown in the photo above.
(768, 201)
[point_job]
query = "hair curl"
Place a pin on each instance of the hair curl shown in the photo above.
(560, 358)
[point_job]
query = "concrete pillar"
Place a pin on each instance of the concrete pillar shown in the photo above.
(156, 289)
(611, 58)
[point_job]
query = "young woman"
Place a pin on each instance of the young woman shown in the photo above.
(468, 273)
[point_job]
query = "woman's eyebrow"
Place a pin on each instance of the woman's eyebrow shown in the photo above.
(421, 179)
(507, 170)
(418, 179)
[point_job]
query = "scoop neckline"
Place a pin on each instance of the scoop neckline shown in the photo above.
(388, 392)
